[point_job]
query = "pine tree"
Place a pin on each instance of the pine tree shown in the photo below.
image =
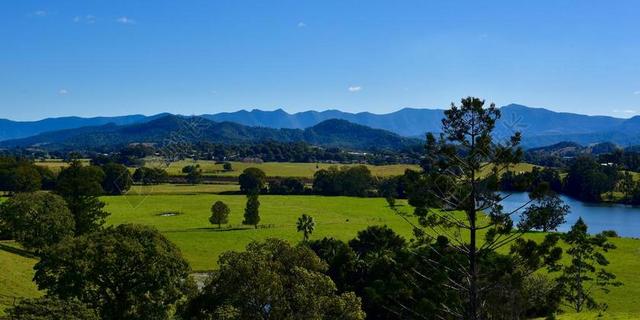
(251, 211)
(586, 270)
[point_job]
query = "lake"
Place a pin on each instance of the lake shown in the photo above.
(624, 219)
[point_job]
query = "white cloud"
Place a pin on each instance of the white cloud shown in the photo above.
(63, 92)
(41, 13)
(125, 20)
(354, 88)
(301, 24)
(88, 19)
(636, 92)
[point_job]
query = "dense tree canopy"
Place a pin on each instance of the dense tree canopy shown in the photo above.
(51, 308)
(252, 180)
(219, 213)
(273, 280)
(588, 180)
(147, 176)
(21, 175)
(37, 220)
(80, 186)
(117, 179)
(125, 272)
(347, 181)
(193, 173)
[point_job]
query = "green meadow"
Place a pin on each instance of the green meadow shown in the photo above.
(275, 169)
(181, 213)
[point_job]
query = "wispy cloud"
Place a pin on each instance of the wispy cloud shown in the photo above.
(88, 19)
(38, 14)
(636, 92)
(63, 92)
(126, 20)
(354, 88)
(625, 111)
(301, 24)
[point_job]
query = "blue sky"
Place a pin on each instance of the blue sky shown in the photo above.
(90, 57)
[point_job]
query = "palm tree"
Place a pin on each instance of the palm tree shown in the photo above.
(306, 225)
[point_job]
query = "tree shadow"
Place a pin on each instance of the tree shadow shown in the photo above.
(18, 251)
(223, 229)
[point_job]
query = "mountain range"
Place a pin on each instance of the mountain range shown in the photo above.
(175, 130)
(539, 126)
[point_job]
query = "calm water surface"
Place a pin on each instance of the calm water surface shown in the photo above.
(624, 219)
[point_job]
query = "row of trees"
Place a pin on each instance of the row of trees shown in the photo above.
(585, 179)
(21, 175)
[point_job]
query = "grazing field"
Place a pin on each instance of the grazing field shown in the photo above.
(16, 268)
(57, 164)
(181, 189)
(340, 217)
(276, 169)
(201, 242)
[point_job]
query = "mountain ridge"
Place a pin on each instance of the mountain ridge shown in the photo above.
(175, 129)
(539, 126)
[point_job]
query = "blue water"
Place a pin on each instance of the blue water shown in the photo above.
(624, 219)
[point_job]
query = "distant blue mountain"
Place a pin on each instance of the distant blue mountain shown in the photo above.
(172, 128)
(539, 126)
(20, 129)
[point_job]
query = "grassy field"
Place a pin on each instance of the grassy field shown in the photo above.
(16, 275)
(177, 189)
(275, 169)
(57, 164)
(339, 217)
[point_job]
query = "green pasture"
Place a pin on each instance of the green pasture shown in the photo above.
(178, 189)
(273, 169)
(339, 217)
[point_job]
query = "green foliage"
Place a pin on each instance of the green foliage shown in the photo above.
(252, 180)
(37, 220)
(219, 213)
(148, 176)
(588, 180)
(80, 187)
(461, 172)
(19, 175)
(586, 271)
(227, 166)
(117, 179)
(348, 181)
(306, 225)
(273, 280)
(26, 178)
(193, 173)
(544, 214)
(126, 272)
(252, 210)
(51, 308)
(286, 186)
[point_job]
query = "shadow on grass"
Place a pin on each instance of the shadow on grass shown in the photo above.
(18, 251)
(230, 193)
(223, 229)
